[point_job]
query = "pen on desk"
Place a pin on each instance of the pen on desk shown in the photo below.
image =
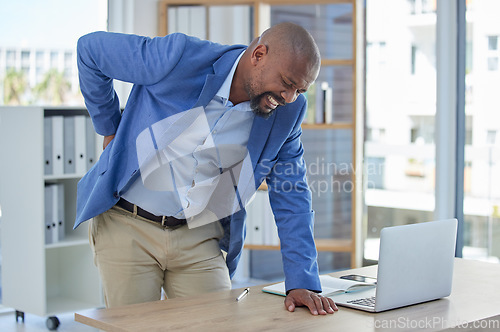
(242, 295)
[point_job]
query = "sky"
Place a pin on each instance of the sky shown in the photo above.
(49, 23)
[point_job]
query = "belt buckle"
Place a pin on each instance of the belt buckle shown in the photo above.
(163, 219)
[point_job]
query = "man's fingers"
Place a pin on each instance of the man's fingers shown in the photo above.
(317, 304)
(329, 305)
(332, 304)
(313, 302)
(289, 304)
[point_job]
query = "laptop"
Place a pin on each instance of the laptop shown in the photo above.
(415, 265)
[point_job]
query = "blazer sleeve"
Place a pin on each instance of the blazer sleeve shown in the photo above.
(290, 198)
(104, 56)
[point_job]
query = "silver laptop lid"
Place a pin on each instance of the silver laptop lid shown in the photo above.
(415, 263)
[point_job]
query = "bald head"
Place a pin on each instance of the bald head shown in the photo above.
(291, 39)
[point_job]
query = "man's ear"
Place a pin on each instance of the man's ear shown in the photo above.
(259, 52)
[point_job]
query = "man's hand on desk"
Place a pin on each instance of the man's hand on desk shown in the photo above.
(316, 303)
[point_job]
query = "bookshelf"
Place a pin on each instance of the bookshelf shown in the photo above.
(39, 277)
(337, 26)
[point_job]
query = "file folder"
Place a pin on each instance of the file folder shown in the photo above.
(320, 103)
(54, 213)
(329, 105)
(255, 234)
(69, 145)
(57, 145)
(250, 221)
(47, 146)
(48, 214)
(80, 145)
(90, 143)
(269, 225)
(58, 231)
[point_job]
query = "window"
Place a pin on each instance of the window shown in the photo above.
(400, 116)
(491, 137)
(493, 53)
(44, 49)
(10, 58)
(408, 158)
(413, 58)
(25, 62)
(482, 155)
(492, 43)
(417, 7)
(25, 58)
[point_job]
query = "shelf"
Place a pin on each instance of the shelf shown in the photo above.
(69, 241)
(320, 126)
(260, 247)
(333, 245)
(337, 62)
(346, 89)
(62, 177)
(57, 305)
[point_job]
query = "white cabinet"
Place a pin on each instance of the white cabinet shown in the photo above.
(39, 278)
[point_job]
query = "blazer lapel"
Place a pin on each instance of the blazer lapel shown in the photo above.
(214, 81)
(212, 85)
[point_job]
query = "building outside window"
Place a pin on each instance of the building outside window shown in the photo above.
(404, 105)
(493, 53)
(33, 55)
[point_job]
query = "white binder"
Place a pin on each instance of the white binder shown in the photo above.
(329, 105)
(48, 214)
(80, 145)
(58, 232)
(249, 222)
(47, 146)
(54, 213)
(320, 103)
(269, 230)
(90, 143)
(255, 231)
(69, 145)
(57, 145)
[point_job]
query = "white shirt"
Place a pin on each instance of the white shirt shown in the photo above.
(181, 178)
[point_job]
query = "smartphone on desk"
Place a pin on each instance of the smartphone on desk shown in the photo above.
(359, 278)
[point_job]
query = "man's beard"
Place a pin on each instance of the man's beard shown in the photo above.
(256, 100)
(257, 109)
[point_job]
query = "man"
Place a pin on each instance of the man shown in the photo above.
(203, 122)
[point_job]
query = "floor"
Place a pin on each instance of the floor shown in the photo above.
(33, 323)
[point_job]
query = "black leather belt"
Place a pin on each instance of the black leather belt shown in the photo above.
(162, 220)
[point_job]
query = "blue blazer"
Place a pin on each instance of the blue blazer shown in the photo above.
(176, 73)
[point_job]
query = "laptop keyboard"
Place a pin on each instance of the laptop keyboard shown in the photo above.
(367, 302)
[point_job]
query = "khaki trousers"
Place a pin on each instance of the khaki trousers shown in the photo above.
(137, 257)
